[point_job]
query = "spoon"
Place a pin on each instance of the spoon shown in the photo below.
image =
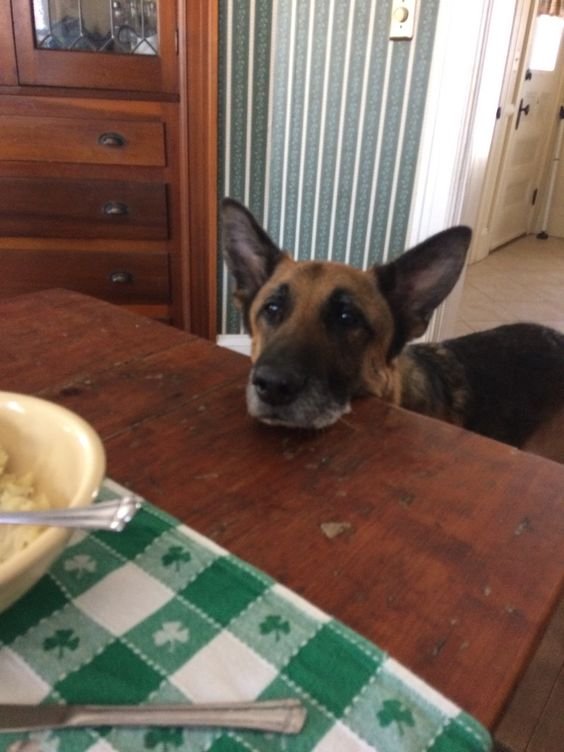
(107, 515)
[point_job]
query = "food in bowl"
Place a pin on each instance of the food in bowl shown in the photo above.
(17, 493)
(66, 459)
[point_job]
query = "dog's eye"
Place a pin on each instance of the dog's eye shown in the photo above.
(347, 315)
(272, 311)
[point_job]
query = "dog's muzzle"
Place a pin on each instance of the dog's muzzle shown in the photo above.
(277, 387)
(289, 397)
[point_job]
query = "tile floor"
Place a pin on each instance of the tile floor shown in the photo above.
(522, 281)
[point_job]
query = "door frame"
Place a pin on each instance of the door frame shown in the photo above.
(459, 128)
(198, 54)
(518, 52)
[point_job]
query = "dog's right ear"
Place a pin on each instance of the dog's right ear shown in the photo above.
(420, 279)
(250, 254)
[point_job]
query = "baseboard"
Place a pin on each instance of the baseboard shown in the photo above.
(241, 343)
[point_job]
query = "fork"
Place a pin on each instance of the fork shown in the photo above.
(285, 716)
(107, 515)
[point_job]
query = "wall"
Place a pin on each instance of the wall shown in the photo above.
(320, 121)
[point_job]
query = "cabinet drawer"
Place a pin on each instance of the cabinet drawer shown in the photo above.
(83, 209)
(133, 278)
(105, 142)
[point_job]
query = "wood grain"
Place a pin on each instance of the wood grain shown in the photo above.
(533, 720)
(8, 70)
(198, 22)
(174, 93)
(70, 140)
(60, 207)
(141, 278)
(451, 555)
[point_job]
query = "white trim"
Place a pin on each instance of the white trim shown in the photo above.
(444, 137)
(241, 343)
(448, 172)
(489, 180)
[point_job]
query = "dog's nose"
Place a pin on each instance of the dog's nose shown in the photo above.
(276, 386)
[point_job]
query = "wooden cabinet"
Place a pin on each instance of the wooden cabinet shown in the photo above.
(97, 158)
(103, 141)
(50, 66)
(8, 70)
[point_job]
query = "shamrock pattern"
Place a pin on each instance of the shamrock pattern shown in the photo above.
(197, 616)
(274, 624)
(80, 564)
(60, 641)
(394, 712)
(170, 634)
(175, 557)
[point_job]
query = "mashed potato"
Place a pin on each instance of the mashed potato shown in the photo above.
(17, 493)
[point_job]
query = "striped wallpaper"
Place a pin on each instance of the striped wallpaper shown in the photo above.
(320, 118)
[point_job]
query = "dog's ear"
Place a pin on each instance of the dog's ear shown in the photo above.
(250, 254)
(419, 280)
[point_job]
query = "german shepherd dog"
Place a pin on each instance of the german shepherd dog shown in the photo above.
(323, 333)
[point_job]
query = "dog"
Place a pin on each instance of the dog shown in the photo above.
(324, 333)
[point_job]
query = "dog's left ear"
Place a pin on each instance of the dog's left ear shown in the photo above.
(419, 280)
(249, 252)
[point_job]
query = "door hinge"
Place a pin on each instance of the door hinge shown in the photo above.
(561, 112)
(498, 113)
(176, 41)
(535, 193)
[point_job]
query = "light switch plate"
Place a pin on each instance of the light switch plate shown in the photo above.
(403, 19)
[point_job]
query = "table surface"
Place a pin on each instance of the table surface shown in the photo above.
(442, 547)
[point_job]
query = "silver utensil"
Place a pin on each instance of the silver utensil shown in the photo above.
(107, 515)
(281, 716)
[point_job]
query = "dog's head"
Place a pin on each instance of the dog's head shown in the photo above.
(325, 332)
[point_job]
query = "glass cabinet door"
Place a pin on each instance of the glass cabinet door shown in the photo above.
(112, 44)
(112, 26)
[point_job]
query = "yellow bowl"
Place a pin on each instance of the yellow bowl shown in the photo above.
(67, 461)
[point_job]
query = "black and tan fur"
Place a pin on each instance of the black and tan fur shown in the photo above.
(323, 333)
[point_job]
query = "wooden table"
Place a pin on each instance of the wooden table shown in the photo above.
(450, 547)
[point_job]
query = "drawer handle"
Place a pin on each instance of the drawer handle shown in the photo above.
(113, 140)
(121, 278)
(115, 209)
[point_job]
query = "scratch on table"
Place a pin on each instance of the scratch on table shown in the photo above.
(524, 526)
(334, 529)
(438, 646)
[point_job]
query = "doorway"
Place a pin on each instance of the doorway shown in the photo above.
(513, 275)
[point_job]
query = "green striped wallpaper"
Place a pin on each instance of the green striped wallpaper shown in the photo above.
(320, 119)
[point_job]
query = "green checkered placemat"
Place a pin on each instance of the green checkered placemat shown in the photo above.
(158, 613)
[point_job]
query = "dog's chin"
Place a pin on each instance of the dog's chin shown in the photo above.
(304, 412)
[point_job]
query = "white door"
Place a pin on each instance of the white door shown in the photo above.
(534, 114)
(555, 210)
(524, 157)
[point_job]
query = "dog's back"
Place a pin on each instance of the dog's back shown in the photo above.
(506, 383)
